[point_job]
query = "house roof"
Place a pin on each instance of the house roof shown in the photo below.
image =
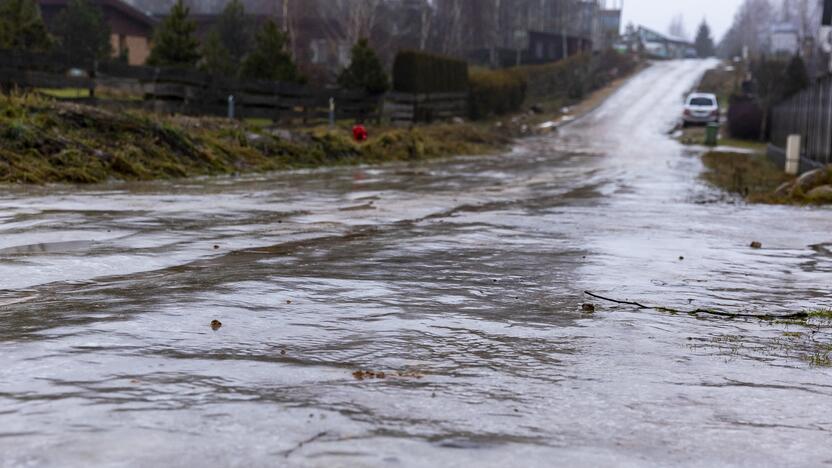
(666, 37)
(117, 5)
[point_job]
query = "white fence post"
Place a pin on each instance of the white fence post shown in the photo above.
(793, 154)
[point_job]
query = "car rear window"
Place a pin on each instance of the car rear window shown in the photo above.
(701, 101)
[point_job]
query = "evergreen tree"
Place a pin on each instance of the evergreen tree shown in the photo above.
(270, 59)
(365, 70)
(174, 43)
(22, 27)
(216, 58)
(797, 77)
(83, 34)
(704, 42)
(234, 30)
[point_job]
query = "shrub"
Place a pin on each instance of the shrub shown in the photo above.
(502, 91)
(418, 72)
(495, 92)
(745, 118)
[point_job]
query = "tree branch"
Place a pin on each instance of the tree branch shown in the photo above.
(797, 315)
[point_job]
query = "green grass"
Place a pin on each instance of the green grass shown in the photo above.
(65, 93)
(696, 136)
(825, 314)
(750, 175)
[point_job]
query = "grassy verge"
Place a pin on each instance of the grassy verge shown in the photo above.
(758, 180)
(751, 175)
(43, 141)
(746, 170)
(696, 136)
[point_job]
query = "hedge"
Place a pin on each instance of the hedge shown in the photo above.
(422, 73)
(577, 75)
(745, 117)
(495, 92)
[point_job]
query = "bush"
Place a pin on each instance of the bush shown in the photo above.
(577, 75)
(745, 118)
(418, 72)
(495, 92)
(503, 91)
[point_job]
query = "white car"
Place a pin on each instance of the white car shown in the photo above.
(701, 108)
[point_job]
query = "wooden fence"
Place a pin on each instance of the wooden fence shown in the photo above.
(808, 114)
(191, 92)
(408, 108)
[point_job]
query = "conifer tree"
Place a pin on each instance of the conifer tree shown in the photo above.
(216, 58)
(174, 42)
(270, 59)
(22, 26)
(365, 70)
(704, 42)
(234, 30)
(83, 34)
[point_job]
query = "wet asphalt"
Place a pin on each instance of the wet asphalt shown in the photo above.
(426, 315)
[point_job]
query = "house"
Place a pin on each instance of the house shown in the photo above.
(660, 45)
(785, 39)
(130, 30)
(318, 45)
(609, 28)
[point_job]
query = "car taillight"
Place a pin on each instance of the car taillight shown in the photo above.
(715, 113)
(687, 111)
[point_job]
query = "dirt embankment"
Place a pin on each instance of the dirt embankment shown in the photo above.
(43, 141)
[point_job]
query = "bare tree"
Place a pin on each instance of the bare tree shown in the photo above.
(677, 27)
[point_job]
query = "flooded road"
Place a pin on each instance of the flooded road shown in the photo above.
(461, 280)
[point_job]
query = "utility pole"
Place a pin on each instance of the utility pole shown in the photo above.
(564, 41)
(826, 30)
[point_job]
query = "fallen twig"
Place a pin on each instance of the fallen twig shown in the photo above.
(797, 315)
(307, 441)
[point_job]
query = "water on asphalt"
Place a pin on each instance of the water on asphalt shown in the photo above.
(461, 280)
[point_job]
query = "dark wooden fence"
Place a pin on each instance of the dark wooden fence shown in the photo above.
(808, 114)
(191, 92)
(405, 108)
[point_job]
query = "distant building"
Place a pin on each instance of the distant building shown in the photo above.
(130, 29)
(785, 39)
(657, 45)
(608, 30)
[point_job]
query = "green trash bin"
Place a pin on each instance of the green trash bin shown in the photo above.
(712, 134)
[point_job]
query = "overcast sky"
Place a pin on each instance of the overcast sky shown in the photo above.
(657, 14)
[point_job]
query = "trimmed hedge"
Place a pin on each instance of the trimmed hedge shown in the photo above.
(421, 73)
(495, 92)
(745, 117)
(577, 75)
